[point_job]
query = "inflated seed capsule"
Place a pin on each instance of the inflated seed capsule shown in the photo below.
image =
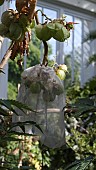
(7, 17)
(3, 30)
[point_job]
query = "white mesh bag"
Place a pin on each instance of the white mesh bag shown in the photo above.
(44, 92)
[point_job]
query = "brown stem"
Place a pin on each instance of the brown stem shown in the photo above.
(6, 56)
(36, 17)
(47, 18)
(45, 59)
(32, 9)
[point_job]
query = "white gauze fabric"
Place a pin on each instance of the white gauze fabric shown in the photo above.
(43, 91)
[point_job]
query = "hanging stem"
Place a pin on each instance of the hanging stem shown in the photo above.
(36, 17)
(47, 18)
(45, 59)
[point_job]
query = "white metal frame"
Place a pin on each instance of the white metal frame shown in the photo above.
(3, 47)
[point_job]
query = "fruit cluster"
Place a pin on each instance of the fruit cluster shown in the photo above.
(56, 29)
(13, 25)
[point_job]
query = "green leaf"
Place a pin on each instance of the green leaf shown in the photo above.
(83, 105)
(9, 139)
(91, 59)
(85, 109)
(51, 26)
(10, 103)
(80, 165)
(21, 105)
(21, 124)
(21, 133)
(23, 128)
(3, 112)
(85, 101)
(7, 104)
(2, 71)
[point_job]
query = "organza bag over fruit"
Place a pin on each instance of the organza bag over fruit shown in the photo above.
(44, 92)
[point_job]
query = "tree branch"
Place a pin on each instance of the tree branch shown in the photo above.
(6, 56)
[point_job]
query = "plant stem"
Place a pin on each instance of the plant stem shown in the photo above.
(45, 59)
(47, 18)
(6, 56)
(32, 9)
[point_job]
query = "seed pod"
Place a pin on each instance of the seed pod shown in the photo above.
(38, 29)
(61, 34)
(42, 32)
(58, 26)
(23, 21)
(51, 27)
(46, 34)
(15, 31)
(7, 17)
(3, 30)
(1, 2)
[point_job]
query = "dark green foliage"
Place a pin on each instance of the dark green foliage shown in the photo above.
(80, 165)
(91, 59)
(12, 91)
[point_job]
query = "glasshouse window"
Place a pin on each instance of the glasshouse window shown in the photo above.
(73, 51)
(73, 48)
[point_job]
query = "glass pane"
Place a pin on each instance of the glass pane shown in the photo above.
(88, 70)
(12, 5)
(50, 13)
(86, 45)
(77, 47)
(68, 54)
(68, 43)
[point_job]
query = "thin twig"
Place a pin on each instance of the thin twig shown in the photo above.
(36, 17)
(6, 56)
(47, 18)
